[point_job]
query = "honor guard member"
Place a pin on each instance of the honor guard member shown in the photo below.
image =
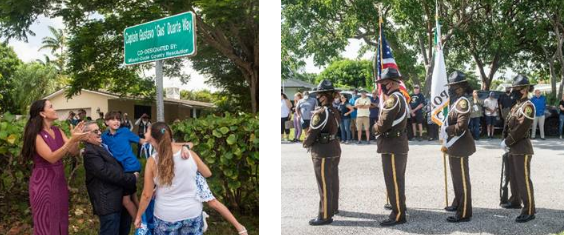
(392, 143)
(459, 144)
(325, 152)
(516, 141)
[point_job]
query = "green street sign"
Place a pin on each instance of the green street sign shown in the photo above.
(165, 38)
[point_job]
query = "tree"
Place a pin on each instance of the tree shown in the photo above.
(543, 46)
(9, 62)
(97, 55)
(203, 95)
(225, 75)
(30, 82)
(322, 28)
(55, 44)
(349, 73)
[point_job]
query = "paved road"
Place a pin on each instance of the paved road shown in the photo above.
(362, 193)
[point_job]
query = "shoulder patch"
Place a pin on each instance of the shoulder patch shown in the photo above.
(528, 111)
(390, 102)
(315, 120)
(463, 104)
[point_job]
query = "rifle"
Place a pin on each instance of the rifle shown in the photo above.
(504, 181)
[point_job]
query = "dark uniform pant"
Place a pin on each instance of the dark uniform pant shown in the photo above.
(394, 175)
(462, 187)
(520, 176)
(514, 199)
(327, 175)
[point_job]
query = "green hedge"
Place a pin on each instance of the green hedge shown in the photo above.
(229, 145)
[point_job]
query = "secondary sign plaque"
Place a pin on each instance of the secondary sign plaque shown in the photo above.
(165, 38)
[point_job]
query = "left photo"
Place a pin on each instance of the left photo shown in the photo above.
(121, 118)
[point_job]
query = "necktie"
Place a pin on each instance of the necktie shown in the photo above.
(107, 149)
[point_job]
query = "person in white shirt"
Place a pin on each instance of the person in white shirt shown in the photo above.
(286, 107)
(177, 208)
(362, 105)
(491, 106)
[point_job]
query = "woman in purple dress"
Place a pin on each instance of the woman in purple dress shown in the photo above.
(46, 145)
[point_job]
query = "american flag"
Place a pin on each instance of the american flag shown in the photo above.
(384, 54)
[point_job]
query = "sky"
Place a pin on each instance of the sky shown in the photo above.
(350, 52)
(29, 51)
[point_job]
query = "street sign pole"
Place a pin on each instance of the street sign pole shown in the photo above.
(159, 80)
(157, 40)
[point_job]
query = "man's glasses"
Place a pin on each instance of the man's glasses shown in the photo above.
(97, 131)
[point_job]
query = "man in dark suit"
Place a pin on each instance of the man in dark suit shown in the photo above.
(105, 182)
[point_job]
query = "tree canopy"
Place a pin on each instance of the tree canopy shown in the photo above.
(349, 73)
(9, 63)
(95, 40)
(483, 36)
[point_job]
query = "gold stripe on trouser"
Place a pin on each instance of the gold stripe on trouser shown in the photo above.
(396, 186)
(527, 184)
(464, 187)
(324, 188)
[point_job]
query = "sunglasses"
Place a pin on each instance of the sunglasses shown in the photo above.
(97, 131)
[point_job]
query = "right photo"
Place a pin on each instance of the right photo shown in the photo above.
(422, 117)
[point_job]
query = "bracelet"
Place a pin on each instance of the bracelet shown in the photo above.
(187, 146)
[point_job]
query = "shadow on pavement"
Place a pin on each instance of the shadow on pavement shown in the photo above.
(484, 220)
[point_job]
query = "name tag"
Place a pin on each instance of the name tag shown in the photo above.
(475, 107)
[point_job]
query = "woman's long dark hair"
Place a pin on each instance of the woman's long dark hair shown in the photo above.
(165, 164)
(346, 99)
(32, 128)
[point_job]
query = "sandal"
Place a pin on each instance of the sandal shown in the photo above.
(243, 232)
(205, 216)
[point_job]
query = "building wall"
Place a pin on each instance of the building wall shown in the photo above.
(88, 101)
(291, 91)
(171, 111)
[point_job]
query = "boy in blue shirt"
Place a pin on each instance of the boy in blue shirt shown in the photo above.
(119, 142)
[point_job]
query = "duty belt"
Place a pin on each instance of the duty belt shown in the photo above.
(394, 133)
(325, 138)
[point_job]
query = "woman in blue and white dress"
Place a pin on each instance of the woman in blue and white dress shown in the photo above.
(203, 194)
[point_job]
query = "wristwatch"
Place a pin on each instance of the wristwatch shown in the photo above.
(187, 146)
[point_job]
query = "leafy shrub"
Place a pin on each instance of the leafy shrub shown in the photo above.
(229, 145)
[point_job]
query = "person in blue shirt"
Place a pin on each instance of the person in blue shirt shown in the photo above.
(352, 102)
(540, 103)
(119, 142)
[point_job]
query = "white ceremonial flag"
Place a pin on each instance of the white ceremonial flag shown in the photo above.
(439, 90)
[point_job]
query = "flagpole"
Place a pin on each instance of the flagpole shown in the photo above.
(439, 46)
(381, 68)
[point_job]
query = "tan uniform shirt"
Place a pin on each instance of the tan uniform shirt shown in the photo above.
(516, 129)
(458, 118)
(394, 108)
(325, 119)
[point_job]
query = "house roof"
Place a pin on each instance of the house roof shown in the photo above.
(188, 103)
(296, 83)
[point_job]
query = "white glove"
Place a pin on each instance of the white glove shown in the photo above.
(504, 146)
(443, 133)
